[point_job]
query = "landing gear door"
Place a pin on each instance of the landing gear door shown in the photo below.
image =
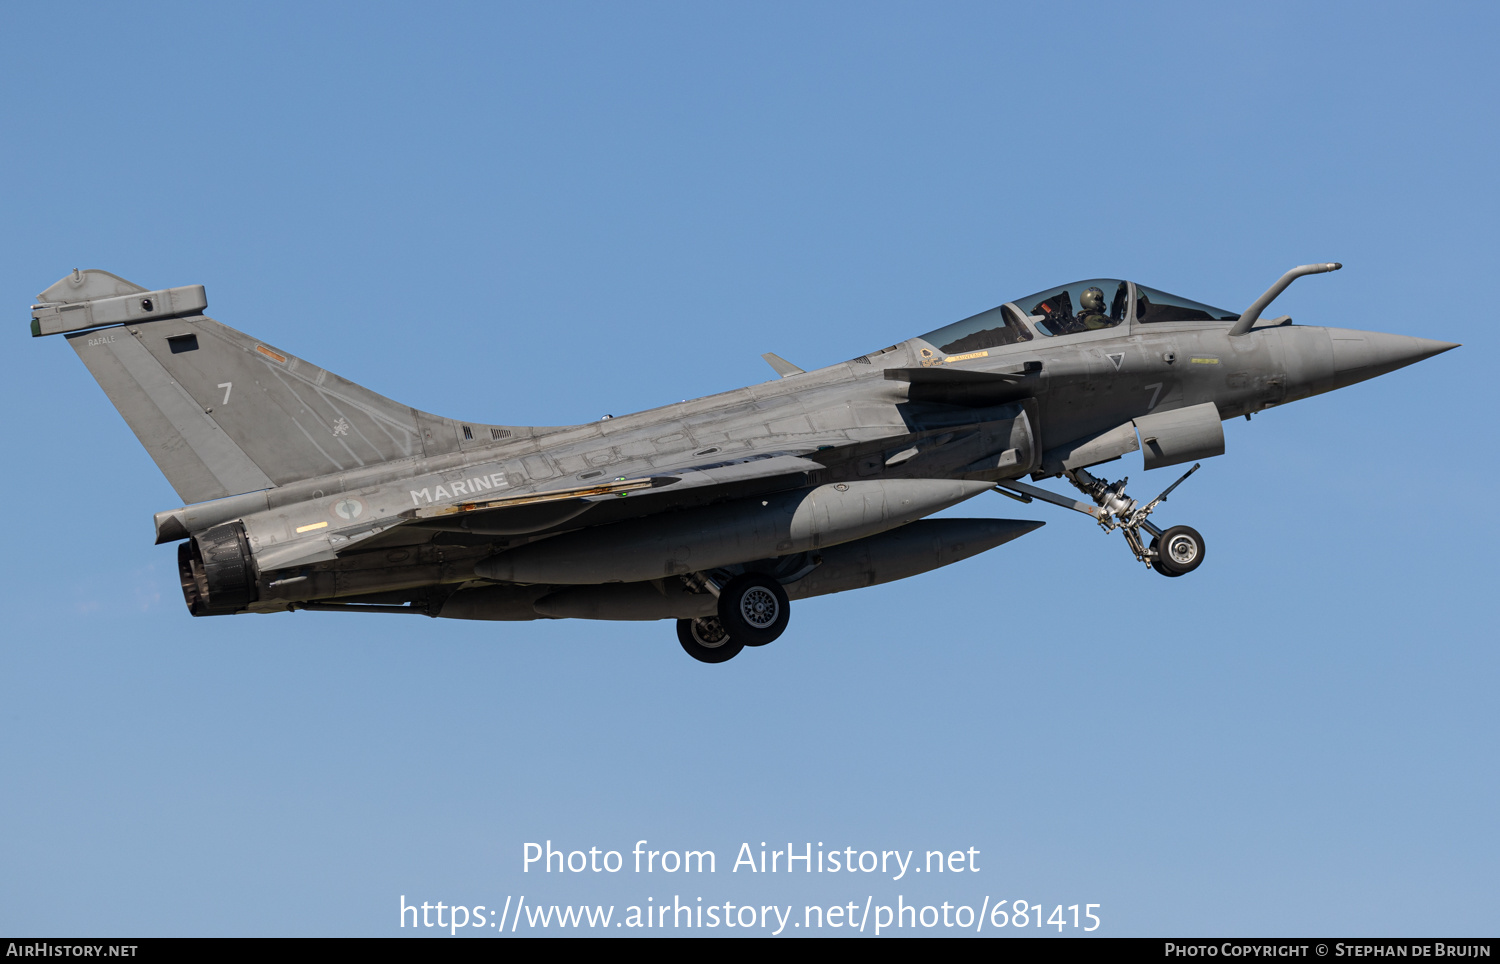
(1181, 435)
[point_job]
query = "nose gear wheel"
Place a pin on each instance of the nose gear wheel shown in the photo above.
(1179, 551)
(1175, 552)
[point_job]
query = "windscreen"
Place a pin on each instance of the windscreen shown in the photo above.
(1152, 305)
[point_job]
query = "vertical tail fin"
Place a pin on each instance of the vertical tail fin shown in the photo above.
(221, 412)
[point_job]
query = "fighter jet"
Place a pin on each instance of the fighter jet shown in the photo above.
(302, 490)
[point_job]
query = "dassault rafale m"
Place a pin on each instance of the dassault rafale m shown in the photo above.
(303, 490)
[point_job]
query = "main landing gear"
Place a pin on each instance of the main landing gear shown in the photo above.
(752, 610)
(1174, 552)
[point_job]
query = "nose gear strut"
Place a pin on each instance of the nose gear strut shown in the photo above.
(1175, 552)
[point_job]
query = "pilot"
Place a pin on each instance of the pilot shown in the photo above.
(1091, 309)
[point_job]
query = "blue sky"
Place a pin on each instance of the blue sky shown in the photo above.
(539, 214)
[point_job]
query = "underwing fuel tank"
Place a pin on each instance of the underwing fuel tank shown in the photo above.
(908, 551)
(694, 540)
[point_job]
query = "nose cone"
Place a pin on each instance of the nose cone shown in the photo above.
(1358, 355)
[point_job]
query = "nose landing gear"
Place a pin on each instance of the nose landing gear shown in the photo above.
(1175, 552)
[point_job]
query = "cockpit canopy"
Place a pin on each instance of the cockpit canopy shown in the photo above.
(1078, 306)
(1069, 309)
(1152, 305)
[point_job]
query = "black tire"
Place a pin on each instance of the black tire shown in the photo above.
(754, 609)
(1179, 551)
(1156, 558)
(706, 641)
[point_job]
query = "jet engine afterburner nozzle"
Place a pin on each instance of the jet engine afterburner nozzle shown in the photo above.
(217, 570)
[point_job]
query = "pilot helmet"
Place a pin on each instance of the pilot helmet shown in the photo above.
(1092, 299)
